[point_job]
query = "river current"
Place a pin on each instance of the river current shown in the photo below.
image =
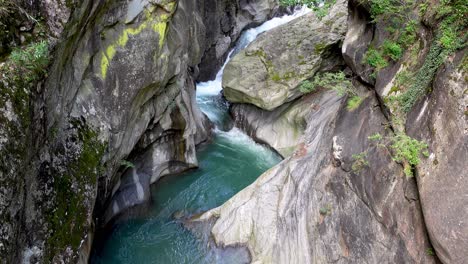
(227, 164)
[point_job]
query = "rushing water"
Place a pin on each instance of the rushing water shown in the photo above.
(227, 165)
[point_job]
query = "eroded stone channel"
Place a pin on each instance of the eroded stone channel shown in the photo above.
(226, 165)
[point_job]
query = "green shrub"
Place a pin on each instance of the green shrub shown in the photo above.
(381, 7)
(354, 102)
(307, 87)
(375, 59)
(408, 149)
(335, 81)
(392, 50)
(320, 7)
(423, 77)
(32, 60)
(375, 137)
(127, 164)
(360, 161)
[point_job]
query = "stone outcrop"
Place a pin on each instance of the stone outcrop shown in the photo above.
(341, 197)
(320, 206)
(441, 121)
(268, 72)
(281, 128)
(116, 113)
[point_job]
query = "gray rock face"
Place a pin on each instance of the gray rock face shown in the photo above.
(267, 73)
(441, 121)
(358, 37)
(281, 128)
(121, 88)
(316, 207)
(225, 21)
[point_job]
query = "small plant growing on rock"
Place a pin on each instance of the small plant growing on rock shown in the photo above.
(430, 252)
(375, 137)
(360, 161)
(353, 103)
(392, 50)
(335, 81)
(326, 210)
(307, 87)
(375, 59)
(407, 149)
(127, 164)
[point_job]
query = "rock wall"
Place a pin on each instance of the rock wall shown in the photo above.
(116, 112)
(342, 195)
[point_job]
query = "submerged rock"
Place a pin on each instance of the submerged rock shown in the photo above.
(268, 72)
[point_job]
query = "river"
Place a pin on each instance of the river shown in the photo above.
(228, 164)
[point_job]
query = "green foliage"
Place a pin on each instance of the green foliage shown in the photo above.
(383, 7)
(430, 252)
(307, 87)
(423, 8)
(276, 77)
(392, 49)
(72, 187)
(408, 149)
(354, 102)
(360, 161)
(375, 59)
(325, 210)
(423, 77)
(375, 137)
(127, 164)
(31, 62)
(320, 7)
(335, 81)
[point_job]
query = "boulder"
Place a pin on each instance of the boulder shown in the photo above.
(268, 72)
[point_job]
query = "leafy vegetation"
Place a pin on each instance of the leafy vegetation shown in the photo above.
(375, 137)
(320, 7)
(449, 15)
(392, 50)
(407, 149)
(423, 77)
(430, 252)
(307, 87)
(375, 59)
(127, 164)
(336, 81)
(354, 102)
(31, 62)
(360, 161)
(331, 80)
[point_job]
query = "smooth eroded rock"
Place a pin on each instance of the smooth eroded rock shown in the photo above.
(267, 73)
(441, 121)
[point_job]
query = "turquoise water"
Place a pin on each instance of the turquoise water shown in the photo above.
(226, 165)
